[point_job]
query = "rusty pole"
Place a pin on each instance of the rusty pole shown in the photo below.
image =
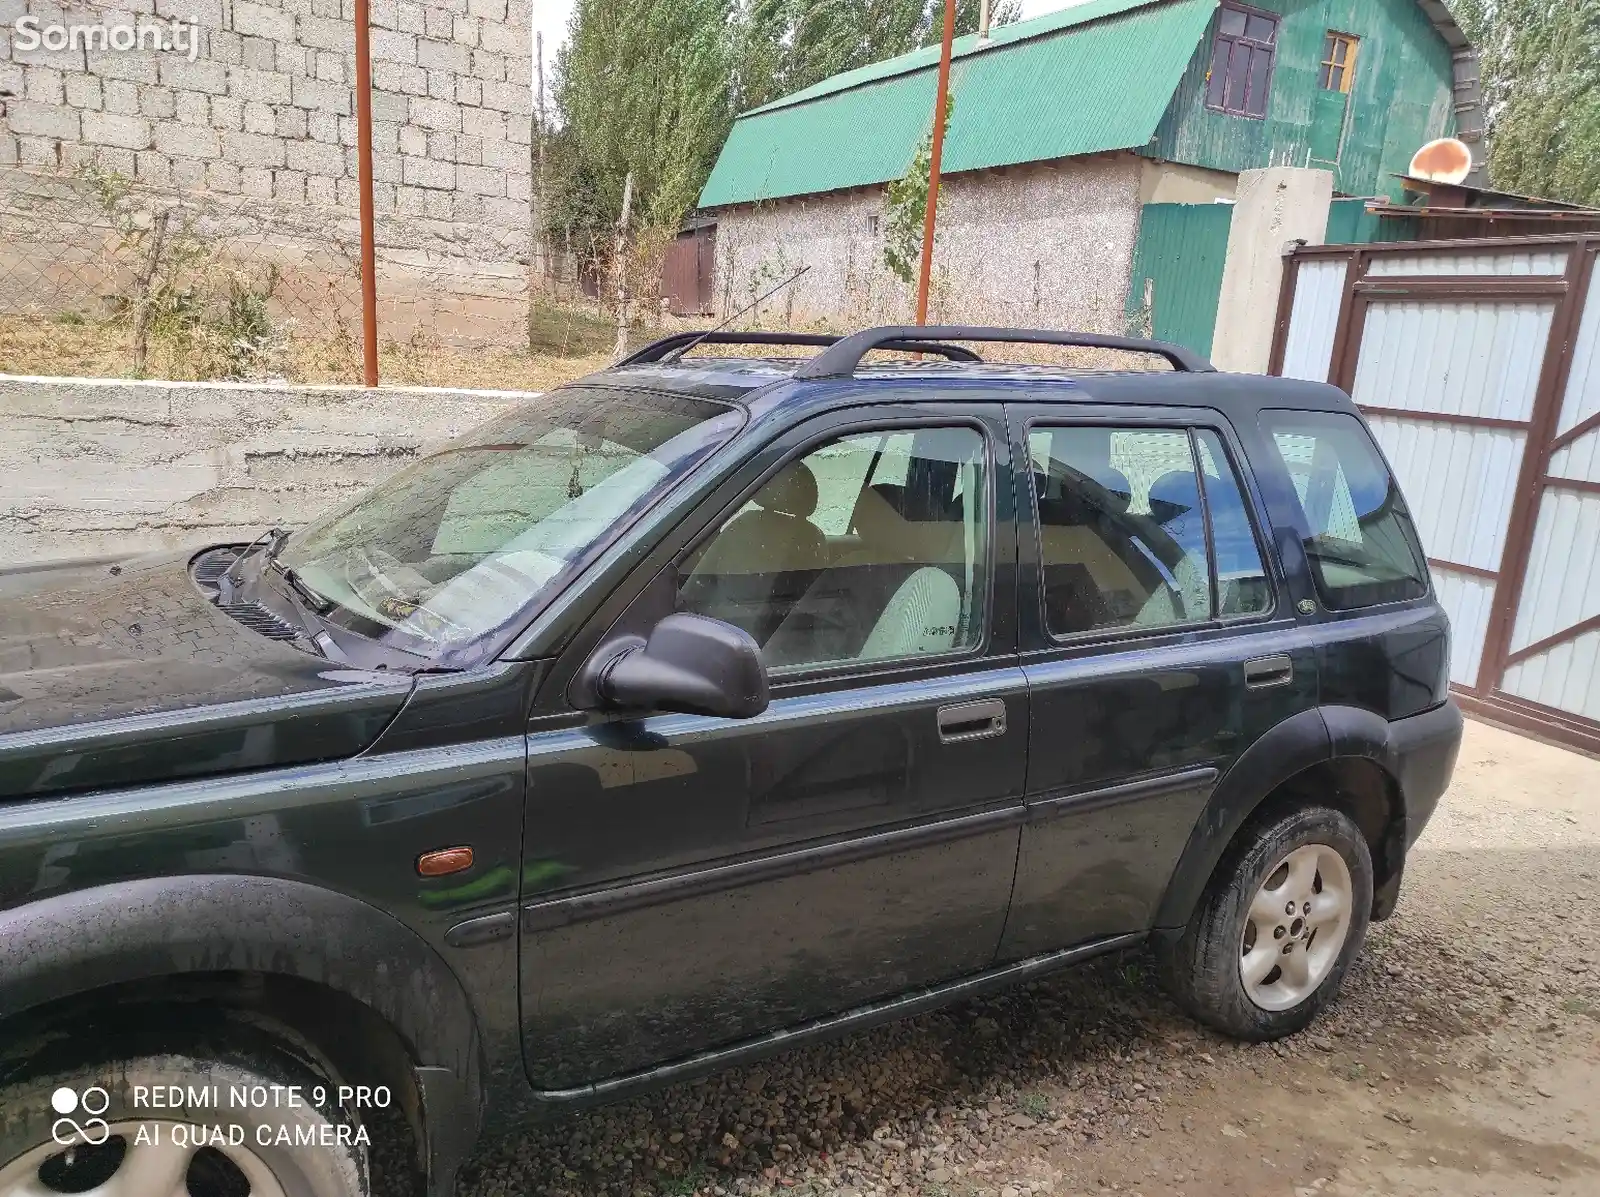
(369, 266)
(940, 102)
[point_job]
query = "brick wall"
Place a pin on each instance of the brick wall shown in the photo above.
(266, 111)
(95, 466)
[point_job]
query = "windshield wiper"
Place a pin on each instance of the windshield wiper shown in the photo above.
(318, 604)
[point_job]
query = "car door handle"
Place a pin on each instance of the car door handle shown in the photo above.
(972, 721)
(1261, 672)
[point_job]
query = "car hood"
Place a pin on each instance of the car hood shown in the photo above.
(121, 672)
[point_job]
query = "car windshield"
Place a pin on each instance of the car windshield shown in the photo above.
(456, 545)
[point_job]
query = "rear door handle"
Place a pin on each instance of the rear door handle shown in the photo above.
(1261, 672)
(972, 721)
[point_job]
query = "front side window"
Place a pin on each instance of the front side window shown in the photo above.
(870, 547)
(454, 546)
(1122, 534)
(1338, 62)
(1360, 539)
(1241, 61)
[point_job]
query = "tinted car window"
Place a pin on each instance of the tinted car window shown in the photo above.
(1121, 528)
(1361, 542)
(872, 546)
(1242, 585)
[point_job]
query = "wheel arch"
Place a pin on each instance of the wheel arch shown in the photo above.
(1340, 755)
(355, 985)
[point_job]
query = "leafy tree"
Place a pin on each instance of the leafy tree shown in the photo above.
(789, 45)
(652, 86)
(906, 206)
(641, 85)
(1540, 62)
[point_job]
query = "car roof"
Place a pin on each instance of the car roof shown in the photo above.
(765, 384)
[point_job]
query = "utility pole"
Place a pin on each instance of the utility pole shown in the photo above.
(619, 268)
(940, 106)
(542, 247)
(369, 255)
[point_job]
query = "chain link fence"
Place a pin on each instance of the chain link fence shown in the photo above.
(102, 278)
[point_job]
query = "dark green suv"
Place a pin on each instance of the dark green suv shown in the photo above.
(702, 708)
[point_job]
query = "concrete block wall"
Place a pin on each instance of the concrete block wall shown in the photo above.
(266, 110)
(92, 466)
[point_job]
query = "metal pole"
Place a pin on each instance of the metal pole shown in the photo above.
(939, 104)
(369, 265)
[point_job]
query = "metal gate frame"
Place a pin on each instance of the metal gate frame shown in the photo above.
(1568, 291)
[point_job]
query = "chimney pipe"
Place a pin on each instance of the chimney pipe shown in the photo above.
(983, 22)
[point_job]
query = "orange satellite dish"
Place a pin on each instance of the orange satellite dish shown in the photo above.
(1443, 161)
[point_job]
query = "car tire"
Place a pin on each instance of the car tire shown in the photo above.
(1272, 937)
(108, 1135)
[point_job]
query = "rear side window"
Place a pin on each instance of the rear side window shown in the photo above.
(1360, 539)
(1242, 585)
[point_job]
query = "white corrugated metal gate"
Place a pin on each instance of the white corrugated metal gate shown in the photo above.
(1477, 364)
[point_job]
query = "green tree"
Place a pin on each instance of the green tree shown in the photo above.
(641, 85)
(906, 208)
(1540, 65)
(652, 86)
(786, 46)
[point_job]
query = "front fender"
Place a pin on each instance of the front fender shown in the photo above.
(59, 947)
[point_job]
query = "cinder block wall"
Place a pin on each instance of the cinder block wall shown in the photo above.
(267, 109)
(91, 466)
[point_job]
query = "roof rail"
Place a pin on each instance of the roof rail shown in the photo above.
(842, 357)
(669, 347)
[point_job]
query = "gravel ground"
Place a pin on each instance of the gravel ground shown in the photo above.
(1462, 1059)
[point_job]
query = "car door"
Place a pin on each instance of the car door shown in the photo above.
(1158, 644)
(693, 882)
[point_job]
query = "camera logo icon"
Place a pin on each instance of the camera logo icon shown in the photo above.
(90, 1105)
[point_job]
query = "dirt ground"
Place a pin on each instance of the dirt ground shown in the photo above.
(1462, 1060)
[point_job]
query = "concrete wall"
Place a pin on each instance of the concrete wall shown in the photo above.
(1275, 206)
(266, 111)
(91, 466)
(1048, 244)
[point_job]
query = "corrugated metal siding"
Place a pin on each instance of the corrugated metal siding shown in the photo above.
(1402, 97)
(1541, 262)
(1562, 585)
(1181, 250)
(1467, 600)
(1458, 482)
(1479, 359)
(1318, 289)
(1101, 85)
(1580, 459)
(1567, 677)
(1582, 398)
(1349, 223)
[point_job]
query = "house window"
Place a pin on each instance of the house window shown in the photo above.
(1241, 61)
(872, 224)
(1339, 61)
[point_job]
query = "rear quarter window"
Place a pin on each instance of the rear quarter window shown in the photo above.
(1358, 535)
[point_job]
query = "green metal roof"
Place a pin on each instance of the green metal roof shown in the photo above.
(1093, 77)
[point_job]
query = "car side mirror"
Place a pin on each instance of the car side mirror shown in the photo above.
(690, 663)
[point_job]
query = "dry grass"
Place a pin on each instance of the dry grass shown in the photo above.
(71, 346)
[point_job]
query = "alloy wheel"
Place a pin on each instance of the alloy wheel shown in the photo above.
(1295, 928)
(128, 1163)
